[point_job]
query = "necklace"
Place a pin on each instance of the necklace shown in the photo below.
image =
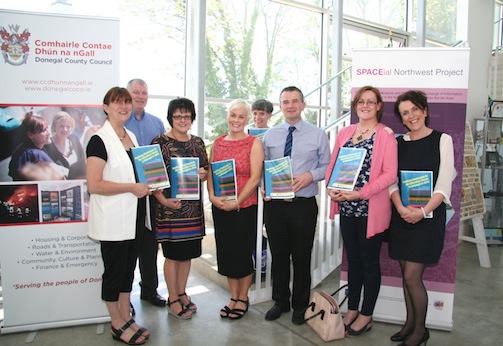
(362, 133)
(70, 149)
(125, 134)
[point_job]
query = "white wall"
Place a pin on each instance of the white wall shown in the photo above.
(480, 40)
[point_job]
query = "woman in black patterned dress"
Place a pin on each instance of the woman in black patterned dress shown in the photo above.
(179, 224)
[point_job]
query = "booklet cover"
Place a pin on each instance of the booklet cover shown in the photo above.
(224, 179)
(184, 178)
(346, 169)
(257, 132)
(278, 178)
(150, 167)
(416, 188)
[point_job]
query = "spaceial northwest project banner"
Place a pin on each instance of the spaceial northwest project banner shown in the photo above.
(443, 75)
(55, 71)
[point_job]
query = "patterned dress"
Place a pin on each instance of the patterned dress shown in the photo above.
(180, 230)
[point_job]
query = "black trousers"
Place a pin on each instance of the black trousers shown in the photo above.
(364, 271)
(290, 229)
(148, 247)
(119, 259)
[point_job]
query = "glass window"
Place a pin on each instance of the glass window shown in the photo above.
(386, 12)
(255, 49)
(441, 16)
(153, 44)
(359, 39)
(441, 21)
(498, 25)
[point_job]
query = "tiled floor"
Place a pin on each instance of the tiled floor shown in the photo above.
(478, 313)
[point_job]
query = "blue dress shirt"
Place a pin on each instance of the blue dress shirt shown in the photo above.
(145, 129)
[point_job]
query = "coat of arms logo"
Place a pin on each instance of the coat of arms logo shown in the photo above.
(14, 46)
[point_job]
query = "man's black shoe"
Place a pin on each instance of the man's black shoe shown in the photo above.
(154, 299)
(298, 317)
(275, 312)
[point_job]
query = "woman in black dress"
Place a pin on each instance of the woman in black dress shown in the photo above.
(179, 223)
(417, 231)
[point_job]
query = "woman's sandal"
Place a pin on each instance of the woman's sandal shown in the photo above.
(190, 306)
(238, 313)
(142, 329)
(116, 334)
(182, 314)
(224, 312)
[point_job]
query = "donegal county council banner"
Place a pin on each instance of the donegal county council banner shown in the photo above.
(442, 73)
(50, 59)
(55, 71)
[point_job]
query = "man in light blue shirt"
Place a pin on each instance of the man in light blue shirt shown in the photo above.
(146, 127)
(291, 223)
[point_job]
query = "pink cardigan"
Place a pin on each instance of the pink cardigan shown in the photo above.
(383, 173)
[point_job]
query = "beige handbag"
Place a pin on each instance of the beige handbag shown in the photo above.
(323, 315)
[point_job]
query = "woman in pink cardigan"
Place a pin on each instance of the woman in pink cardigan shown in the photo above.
(365, 212)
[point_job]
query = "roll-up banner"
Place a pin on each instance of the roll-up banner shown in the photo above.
(55, 70)
(442, 73)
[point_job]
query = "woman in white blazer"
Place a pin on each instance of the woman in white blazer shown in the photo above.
(116, 210)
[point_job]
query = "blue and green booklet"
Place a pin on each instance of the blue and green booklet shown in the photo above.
(416, 188)
(346, 168)
(278, 178)
(184, 178)
(224, 179)
(150, 167)
(257, 132)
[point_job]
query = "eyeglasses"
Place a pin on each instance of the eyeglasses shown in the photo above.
(369, 103)
(182, 117)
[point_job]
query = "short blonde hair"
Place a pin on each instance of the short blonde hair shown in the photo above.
(239, 104)
(61, 116)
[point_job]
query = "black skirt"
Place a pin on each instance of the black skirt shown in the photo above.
(235, 237)
(421, 242)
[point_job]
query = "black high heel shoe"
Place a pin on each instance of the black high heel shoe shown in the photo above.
(363, 330)
(346, 326)
(423, 340)
(397, 337)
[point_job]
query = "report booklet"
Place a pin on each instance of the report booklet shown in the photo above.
(224, 179)
(257, 132)
(347, 168)
(278, 178)
(416, 188)
(150, 167)
(184, 178)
